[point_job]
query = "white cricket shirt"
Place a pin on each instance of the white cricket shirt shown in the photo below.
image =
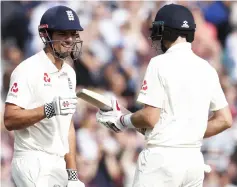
(33, 83)
(185, 87)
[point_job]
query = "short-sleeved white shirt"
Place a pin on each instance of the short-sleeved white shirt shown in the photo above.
(185, 87)
(33, 83)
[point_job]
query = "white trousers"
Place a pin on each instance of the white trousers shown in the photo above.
(38, 169)
(169, 167)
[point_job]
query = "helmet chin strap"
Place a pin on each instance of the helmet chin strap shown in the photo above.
(159, 46)
(59, 54)
(163, 48)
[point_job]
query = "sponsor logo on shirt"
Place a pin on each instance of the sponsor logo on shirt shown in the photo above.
(144, 88)
(47, 80)
(144, 85)
(46, 77)
(14, 89)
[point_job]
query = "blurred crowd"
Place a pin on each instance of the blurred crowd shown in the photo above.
(116, 51)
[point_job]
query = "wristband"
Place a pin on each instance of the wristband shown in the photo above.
(49, 110)
(72, 174)
(126, 120)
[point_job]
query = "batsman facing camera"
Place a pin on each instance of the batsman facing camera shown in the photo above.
(176, 103)
(40, 104)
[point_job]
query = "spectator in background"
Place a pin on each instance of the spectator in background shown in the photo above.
(7, 141)
(129, 157)
(218, 12)
(231, 46)
(87, 69)
(14, 18)
(206, 45)
(13, 55)
(87, 145)
(98, 150)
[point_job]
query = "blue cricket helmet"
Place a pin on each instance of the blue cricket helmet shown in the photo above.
(176, 16)
(171, 21)
(60, 18)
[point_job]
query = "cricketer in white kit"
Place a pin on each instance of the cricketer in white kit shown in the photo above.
(178, 91)
(40, 104)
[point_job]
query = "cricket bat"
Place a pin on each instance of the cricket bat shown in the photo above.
(98, 100)
(101, 102)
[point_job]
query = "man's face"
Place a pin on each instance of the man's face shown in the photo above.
(64, 41)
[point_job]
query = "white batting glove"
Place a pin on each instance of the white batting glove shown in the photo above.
(60, 106)
(114, 119)
(73, 180)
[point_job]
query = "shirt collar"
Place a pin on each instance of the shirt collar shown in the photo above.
(180, 46)
(51, 68)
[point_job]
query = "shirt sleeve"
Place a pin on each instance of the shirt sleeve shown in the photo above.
(218, 100)
(152, 89)
(19, 90)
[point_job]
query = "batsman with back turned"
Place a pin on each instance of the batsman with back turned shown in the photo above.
(40, 104)
(178, 92)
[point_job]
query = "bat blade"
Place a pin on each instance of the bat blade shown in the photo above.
(98, 100)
